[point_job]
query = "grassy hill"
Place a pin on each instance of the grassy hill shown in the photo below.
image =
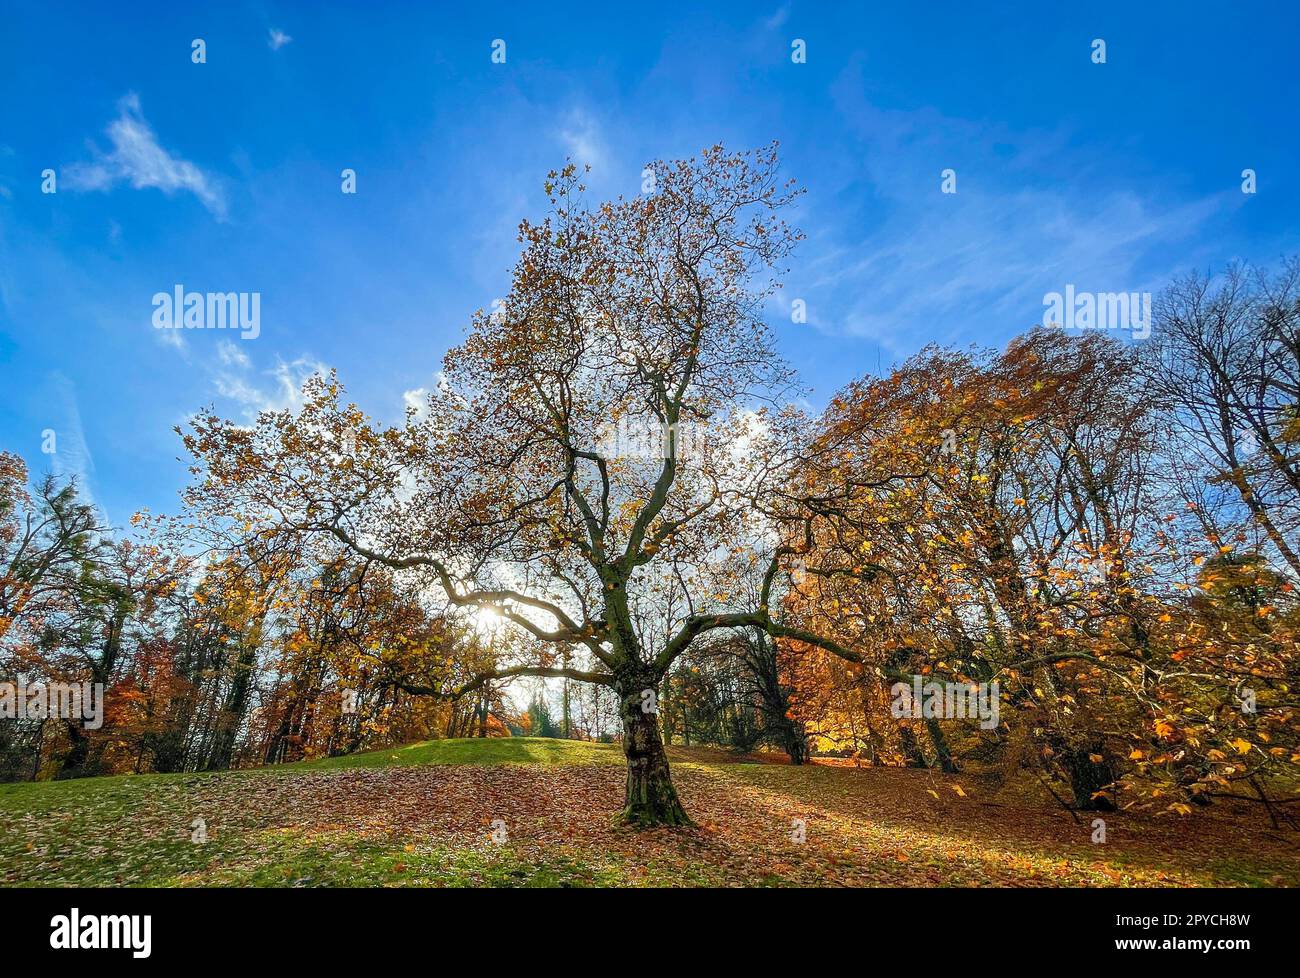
(536, 812)
(493, 750)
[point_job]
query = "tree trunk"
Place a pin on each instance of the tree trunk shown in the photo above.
(650, 798)
(911, 749)
(75, 760)
(233, 710)
(794, 740)
(942, 755)
(36, 759)
(1089, 779)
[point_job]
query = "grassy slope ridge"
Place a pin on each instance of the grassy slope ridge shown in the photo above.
(491, 750)
(532, 811)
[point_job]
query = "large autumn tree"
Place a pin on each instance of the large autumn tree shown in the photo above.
(593, 444)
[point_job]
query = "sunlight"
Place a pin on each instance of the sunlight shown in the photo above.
(486, 620)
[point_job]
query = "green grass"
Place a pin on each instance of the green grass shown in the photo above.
(290, 857)
(343, 821)
(471, 750)
(73, 814)
(38, 796)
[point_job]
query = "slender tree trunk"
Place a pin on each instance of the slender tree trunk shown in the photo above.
(943, 756)
(911, 749)
(568, 727)
(650, 798)
(36, 758)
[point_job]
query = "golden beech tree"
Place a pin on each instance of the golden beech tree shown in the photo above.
(975, 524)
(999, 518)
(592, 444)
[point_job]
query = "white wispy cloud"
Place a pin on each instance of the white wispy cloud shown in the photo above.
(137, 158)
(72, 458)
(171, 337)
(232, 356)
(922, 275)
(277, 39)
(582, 139)
(1027, 218)
(276, 389)
(418, 398)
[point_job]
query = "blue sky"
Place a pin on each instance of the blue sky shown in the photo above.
(225, 176)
